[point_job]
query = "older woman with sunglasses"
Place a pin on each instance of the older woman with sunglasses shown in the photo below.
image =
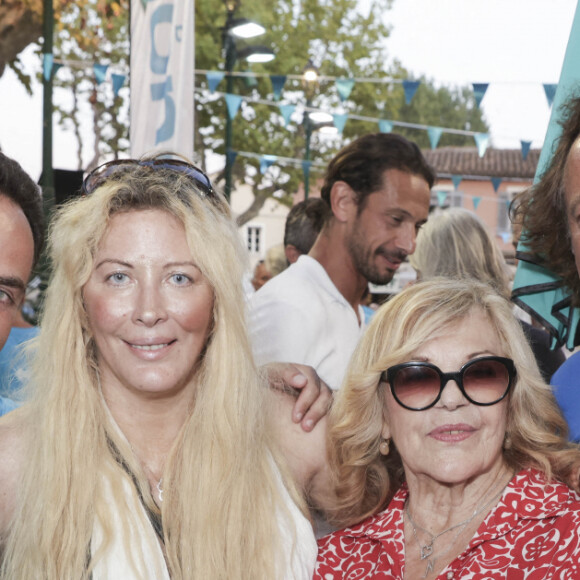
(142, 452)
(450, 452)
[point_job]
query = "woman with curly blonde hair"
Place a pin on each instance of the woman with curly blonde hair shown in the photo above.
(142, 452)
(449, 450)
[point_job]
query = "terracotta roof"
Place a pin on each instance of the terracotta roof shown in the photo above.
(465, 161)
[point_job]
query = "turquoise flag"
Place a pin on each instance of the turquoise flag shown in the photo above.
(456, 179)
(385, 126)
(550, 91)
(481, 142)
(286, 112)
(214, 78)
(496, 182)
(47, 62)
(340, 121)
(278, 82)
(441, 197)
(100, 71)
(118, 82)
(537, 290)
(479, 90)
(233, 103)
(476, 201)
(525, 148)
(434, 136)
(410, 88)
(344, 88)
(266, 161)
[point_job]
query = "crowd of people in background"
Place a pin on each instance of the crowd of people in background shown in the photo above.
(174, 414)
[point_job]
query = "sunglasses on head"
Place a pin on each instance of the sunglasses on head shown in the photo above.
(418, 386)
(105, 171)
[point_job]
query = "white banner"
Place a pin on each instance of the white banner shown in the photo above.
(162, 63)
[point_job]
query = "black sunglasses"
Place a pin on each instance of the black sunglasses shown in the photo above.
(417, 386)
(103, 172)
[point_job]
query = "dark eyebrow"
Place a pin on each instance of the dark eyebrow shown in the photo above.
(13, 282)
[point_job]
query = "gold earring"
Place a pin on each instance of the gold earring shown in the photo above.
(384, 447)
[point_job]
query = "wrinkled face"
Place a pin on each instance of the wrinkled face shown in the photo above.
(454, 441)
(572, 199)
(385, 231)
(16, 257)
(149, 306)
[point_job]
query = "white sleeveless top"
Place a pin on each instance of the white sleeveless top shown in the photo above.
(135, 552)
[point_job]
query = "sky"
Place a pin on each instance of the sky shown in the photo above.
(514, 45)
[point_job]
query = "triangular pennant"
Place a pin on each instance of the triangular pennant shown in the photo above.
(525, 149)
(231, 156)
(278, 82)
(250, 80)
(340, 121)
(456, 179)
(385, 126)
(286, 111)
(214, 78)
(56, 66)
(233, 103)
(47, 62)
(441, 197)
(481, 141)
(476, 201)
(506, 237)
(410, 88)
(479, 90)
(496, 182)
(118, 82)
(100, 71)
(434, 136)
(344, 88)
(550, 91)
(265, 162)
(306, 168)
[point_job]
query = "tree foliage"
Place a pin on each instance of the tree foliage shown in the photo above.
(342, 42)
(88, 32)
(339, 39)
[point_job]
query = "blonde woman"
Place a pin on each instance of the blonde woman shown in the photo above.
(456, 244)
(142, 452)
(449, 450)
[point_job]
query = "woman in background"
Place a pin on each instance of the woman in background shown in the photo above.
(456, 244)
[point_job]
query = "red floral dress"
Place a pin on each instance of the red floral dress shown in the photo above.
(533, 533)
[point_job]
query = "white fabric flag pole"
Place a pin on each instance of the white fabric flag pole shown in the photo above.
(162, 65)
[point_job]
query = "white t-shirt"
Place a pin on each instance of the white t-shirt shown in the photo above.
(300, 316)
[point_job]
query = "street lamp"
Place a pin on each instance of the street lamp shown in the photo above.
(310, 85)
(238, 28)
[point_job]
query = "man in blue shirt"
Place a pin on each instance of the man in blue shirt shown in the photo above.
(21, 239)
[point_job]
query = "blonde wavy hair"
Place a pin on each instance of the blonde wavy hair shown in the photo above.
(456, 244)
(536, 433)
(222, 493)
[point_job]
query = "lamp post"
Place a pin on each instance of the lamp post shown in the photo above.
(310, 85)
(47, 181)
(238, 28)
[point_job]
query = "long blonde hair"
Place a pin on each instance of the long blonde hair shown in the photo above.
(223, 495)
(456, 244)
(536, 430)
